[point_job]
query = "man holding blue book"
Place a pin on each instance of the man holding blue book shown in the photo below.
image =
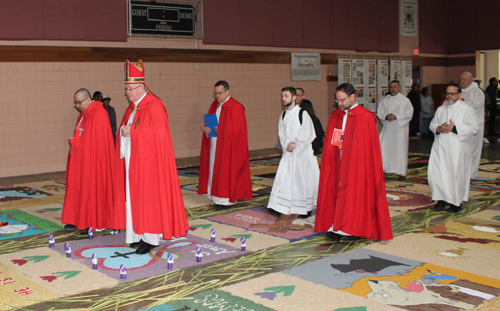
(224, 159)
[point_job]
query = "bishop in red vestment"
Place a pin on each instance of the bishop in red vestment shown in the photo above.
(148, 191)
(351, 197)
(224, 160)
(88, 201)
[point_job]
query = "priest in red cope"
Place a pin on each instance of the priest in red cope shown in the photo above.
(148, 191)
(88, 201)
(224, 160)
(352, 201)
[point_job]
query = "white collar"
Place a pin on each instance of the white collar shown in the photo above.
(446, 103)
(471, 86)
(228, 97)
(355, 104)
(140, 99)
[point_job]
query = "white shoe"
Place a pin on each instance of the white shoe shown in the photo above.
(485, 140)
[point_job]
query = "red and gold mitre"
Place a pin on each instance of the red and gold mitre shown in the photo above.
(134, 73)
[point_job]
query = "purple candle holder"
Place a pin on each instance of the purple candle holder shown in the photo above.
(67, 249)
(114, 232)
(170, 261)
(51, 240)
(243, 244)
(212, 235)
(198, 254)
(91, 233)
(123, 272)
(94, 261)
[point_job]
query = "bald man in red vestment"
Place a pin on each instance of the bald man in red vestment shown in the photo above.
(148, 190)
(88, 201)
(352, 202)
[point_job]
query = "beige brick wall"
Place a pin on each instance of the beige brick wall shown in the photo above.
(37, 115)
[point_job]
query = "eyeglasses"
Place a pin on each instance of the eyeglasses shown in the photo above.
(130, 90)
(219, 93)
(300, 94)
(79, 102)
(341, 100)
(447, 94)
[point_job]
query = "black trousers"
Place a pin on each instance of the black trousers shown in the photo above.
(491, 121)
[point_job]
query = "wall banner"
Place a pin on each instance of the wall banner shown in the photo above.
(408, 18)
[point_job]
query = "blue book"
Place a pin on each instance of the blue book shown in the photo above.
(211, 122)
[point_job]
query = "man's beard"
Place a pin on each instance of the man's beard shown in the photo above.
(345, 108)
(449, 102)
(288, 105)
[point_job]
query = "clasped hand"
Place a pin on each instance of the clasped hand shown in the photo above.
(390, 117)
(446, 127)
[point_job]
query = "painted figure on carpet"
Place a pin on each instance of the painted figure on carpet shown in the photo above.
(352, 201)
(430, 294)
(11, 228)
(295, 187)
(148, 191)
(395, 112)
(224, 159)
(15, 193)
(88, 201)
(449, 173)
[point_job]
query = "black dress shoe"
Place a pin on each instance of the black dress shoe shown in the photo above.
(333, 236)
(440, 206)
(454, 208)
(305, 216)
(70, 227)
(136, 244)
(350, 238)
(270, 211)
(145, 248)
(219, 207)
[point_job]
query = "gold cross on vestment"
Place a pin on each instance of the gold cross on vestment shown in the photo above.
(81, 130)
(136, 123)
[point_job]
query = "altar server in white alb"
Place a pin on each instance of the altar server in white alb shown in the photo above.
(454, 126)
(295, 188)
(395, 111)
(474, 97)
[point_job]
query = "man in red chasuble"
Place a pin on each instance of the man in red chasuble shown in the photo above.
(224, 159)
(88, 201)
(352, 201)
(148, 190)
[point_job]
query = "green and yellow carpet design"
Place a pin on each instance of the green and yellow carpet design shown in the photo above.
(437, 260)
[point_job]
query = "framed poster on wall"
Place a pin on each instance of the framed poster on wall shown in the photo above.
(306, 67)
(358, 72)
(344, 70)
(395, 70)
